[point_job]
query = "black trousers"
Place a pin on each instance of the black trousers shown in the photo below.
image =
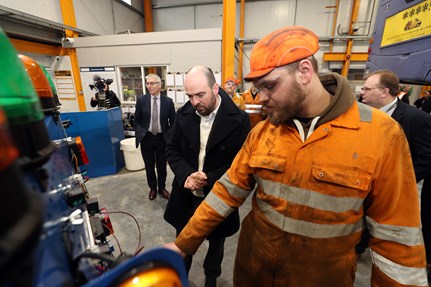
(153, 153)
(426, 216)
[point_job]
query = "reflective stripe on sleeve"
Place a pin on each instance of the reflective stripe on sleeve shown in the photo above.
(233, 189)
(218, 205)
(305, 228)
(402, 274)
(411, 236)
(309, 198)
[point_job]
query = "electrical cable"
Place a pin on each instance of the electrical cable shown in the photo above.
(115, 237)
(244, 53)
(139, 248)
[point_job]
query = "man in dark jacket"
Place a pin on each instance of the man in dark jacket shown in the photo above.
(154, 118)
(380, 91)
(208, 132)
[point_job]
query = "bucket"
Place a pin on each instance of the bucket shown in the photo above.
(132, 155)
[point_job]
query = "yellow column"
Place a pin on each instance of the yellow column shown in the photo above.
(241, 44)
(68, 13)
(228, 39)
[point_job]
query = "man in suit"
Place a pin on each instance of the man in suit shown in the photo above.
(380, 91)
(154, 117)
(207, 134)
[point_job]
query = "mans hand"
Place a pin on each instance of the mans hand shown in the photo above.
(196, 180)
(173, 247)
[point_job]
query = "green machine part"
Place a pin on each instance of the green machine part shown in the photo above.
(22, 108)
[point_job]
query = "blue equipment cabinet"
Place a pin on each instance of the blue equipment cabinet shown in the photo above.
(101, 132)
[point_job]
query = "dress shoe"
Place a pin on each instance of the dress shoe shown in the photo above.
(153, 194)
(163, 192)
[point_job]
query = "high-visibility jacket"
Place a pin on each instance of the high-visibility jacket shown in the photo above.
(312, 199)
(239, 101)
(253, 107)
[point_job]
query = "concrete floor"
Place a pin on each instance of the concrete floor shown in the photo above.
(128, 192)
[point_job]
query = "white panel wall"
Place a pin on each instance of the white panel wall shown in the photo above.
(181, 18)
(265, 16)
(209, 16)
(47, 9)
(95, 16)
(127, 20)
(179, 50)
(102, 17)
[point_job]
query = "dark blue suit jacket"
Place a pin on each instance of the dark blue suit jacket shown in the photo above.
(143, 116)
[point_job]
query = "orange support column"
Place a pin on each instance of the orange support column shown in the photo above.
(241, 44)
(353, 19)
(68, 13)
(228, 39)
(148, 15)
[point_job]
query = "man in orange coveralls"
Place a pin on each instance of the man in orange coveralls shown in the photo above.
(253, 106)
(230, 86)
(322, 163)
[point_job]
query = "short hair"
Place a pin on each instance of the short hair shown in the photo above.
(292, 66)
(388, 79)
(153, 76)
(208, 73)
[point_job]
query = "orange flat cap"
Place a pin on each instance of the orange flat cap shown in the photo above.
(281, 47)
(232, 79)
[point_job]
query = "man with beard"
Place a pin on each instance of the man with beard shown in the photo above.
(207, 134)
(322, 163)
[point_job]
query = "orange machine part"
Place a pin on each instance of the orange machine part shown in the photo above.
(37, 76)
(157, 277)
(82, 150)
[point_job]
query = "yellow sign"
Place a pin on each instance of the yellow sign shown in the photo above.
(409, 24)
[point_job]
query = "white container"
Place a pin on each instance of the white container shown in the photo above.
(132, 155)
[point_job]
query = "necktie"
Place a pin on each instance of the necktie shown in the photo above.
(155, 118)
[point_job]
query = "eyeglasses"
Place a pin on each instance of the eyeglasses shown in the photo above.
(151, 83)
(366, 89)
(269, 85)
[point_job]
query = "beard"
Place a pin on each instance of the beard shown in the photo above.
(205, 110)
(288, 110)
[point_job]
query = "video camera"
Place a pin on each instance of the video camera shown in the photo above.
(99, 85)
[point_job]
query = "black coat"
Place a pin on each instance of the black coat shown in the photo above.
(416, 125)
(143, 116)
(229, 131)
